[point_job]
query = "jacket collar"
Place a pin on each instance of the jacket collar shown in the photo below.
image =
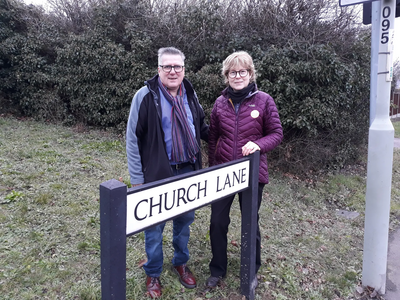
(252, 93)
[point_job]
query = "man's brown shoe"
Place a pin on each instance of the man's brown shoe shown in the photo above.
(185, 276)
(153, 286)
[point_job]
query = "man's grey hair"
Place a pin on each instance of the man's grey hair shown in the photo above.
(170, 51)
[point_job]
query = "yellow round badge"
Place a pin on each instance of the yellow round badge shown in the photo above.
(254, 114)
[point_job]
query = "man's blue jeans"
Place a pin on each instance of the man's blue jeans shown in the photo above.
(181, 234)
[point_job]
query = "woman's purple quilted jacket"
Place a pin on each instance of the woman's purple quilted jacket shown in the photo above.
(257, 120)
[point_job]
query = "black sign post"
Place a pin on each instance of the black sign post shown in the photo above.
(114, 217)
(113, 239)
(248, 280)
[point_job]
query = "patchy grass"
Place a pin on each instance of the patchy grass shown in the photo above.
(396, 125)
(50, 231)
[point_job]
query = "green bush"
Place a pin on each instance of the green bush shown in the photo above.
(27, 56)
(322, 102)
(208, 83)
(98, 78)
(83, 61)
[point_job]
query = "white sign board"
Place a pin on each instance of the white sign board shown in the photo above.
(352, 2)
(163, 202)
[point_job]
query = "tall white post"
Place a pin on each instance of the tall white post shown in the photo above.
(380, 161)
(375, 29)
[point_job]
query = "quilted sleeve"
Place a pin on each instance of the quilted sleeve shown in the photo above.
(272, 128)
(213, 134)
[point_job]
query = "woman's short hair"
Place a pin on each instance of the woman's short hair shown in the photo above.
(170, 51)
(235, 59)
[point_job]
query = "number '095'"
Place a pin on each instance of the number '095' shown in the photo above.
(385, 25)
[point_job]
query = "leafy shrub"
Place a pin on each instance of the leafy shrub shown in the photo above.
(98, 78)
(27, 60)
(322, 102)
(208, 84)
(83, 62)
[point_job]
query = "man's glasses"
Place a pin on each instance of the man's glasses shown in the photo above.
(168, 69)
(242, 73)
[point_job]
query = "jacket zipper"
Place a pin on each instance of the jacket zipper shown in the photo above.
(236, 130)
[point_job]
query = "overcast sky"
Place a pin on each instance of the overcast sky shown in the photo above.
(396, 50)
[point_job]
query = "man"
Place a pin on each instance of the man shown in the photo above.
(163, 135)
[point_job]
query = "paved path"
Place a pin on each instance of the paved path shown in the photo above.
(393, 267)
(396, 142)
(393, 259)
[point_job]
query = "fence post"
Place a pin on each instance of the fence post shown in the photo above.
(113, 196)
(394, 104)
(248, 280)
(391, 108)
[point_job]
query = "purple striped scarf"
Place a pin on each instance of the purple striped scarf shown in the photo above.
(182, 136)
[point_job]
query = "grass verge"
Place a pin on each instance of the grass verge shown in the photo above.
(396, 125)
(49, 221)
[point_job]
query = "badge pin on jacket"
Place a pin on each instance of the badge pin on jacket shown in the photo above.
(254, 114)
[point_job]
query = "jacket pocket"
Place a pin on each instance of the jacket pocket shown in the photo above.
(217, 151)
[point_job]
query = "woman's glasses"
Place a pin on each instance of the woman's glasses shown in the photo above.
(242, 73)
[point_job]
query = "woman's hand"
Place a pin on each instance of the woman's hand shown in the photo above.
(250, 148)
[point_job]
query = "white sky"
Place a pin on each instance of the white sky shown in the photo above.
(396, 50)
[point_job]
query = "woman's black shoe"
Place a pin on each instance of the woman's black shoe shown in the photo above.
(212, 281)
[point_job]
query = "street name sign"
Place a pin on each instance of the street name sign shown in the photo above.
(163, 202)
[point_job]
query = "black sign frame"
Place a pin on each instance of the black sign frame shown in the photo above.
(113, 213)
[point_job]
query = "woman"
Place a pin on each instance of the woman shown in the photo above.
(243, 120)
